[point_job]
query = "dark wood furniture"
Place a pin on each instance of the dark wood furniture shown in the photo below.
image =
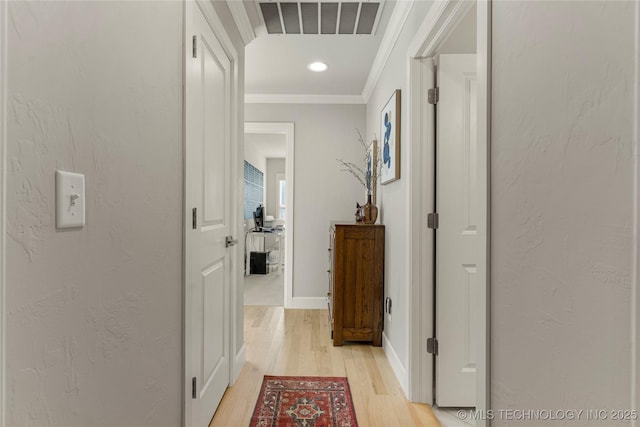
(356, 282)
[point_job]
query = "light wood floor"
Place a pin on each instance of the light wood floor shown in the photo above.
(297, 342)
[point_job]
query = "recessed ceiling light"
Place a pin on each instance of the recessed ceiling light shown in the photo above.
(318, 67)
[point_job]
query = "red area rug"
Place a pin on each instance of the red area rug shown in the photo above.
(304, 402)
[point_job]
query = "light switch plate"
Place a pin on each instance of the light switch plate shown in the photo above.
(70, 199)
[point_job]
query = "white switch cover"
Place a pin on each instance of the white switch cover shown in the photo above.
(70, 200)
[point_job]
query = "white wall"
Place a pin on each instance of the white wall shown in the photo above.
(562, 205)
(393, 198)
(274, 167)
(94, 319)
(255, 158)
(323, 133)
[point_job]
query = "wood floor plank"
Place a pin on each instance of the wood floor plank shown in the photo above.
(297, 342)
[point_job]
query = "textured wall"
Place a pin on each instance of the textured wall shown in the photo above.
(94, 315)
(323, 133)
(562, 205)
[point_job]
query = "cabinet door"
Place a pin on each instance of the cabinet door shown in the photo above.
(331, 277)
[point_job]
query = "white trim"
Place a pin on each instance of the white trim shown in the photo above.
(420, 244)
(447, 419)
(240, 359)
(635, 290)
(396, 364)
(218, 27)
(259, 98)
(308, 303)
(394, 27)
(242, 21)
(441, 20)
(237, 208)
(3, 204)
(483, 358)
(288, 130)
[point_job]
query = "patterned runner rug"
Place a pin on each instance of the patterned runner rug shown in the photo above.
(304, 402)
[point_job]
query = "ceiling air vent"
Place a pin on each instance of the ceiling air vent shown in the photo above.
(321, 17)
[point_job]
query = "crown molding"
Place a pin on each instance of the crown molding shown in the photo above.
(258, 98)
(396, 22)
(242, 21)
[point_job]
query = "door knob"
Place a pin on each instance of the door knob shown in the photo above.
(230, 242)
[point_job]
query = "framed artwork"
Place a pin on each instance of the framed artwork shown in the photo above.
(390, 131)
(372, 169)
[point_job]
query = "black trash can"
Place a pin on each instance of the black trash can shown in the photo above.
(258, 263)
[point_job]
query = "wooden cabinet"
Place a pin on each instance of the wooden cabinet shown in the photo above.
(356, 282)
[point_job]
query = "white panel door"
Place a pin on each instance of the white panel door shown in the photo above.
(458, 246)
(208, 211)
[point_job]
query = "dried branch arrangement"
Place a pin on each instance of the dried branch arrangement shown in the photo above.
(368, 172)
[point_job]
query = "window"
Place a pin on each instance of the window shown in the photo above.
(282, 199)
(253, 189)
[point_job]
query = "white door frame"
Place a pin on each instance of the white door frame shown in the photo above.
(236, 345)
(439, 23)
(288, 130)
(3, 201)
(635, 289)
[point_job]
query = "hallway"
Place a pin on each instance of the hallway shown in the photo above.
(297, 342)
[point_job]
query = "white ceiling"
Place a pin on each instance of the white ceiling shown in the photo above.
(265, 145)
(277, 64)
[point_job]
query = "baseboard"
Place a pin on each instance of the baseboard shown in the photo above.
(240, 359)
(309, 303)
(397, 366)
(448, 417)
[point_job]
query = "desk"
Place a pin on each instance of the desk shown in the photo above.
(263, 241)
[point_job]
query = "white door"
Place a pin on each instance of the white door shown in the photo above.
(208, 218)
(458, 246)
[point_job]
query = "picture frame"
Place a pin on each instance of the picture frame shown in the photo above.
(390, 121)
(372, 169)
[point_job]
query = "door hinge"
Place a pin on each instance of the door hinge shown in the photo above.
(432, 346)
(193, 388)
(433, 95)
(433, 220)
(194, 47)
(194, 218)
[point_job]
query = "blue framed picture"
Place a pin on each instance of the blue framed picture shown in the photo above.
(390, 131)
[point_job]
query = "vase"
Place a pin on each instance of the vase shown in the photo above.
(370, 211)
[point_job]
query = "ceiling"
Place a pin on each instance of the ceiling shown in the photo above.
(276, 64)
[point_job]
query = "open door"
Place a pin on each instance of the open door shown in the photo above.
(207, 219)
(458, 244)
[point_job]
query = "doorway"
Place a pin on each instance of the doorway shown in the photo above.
(208, 248)
(264, 218)
(213, 349)
(279, 244)
(451, 29)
